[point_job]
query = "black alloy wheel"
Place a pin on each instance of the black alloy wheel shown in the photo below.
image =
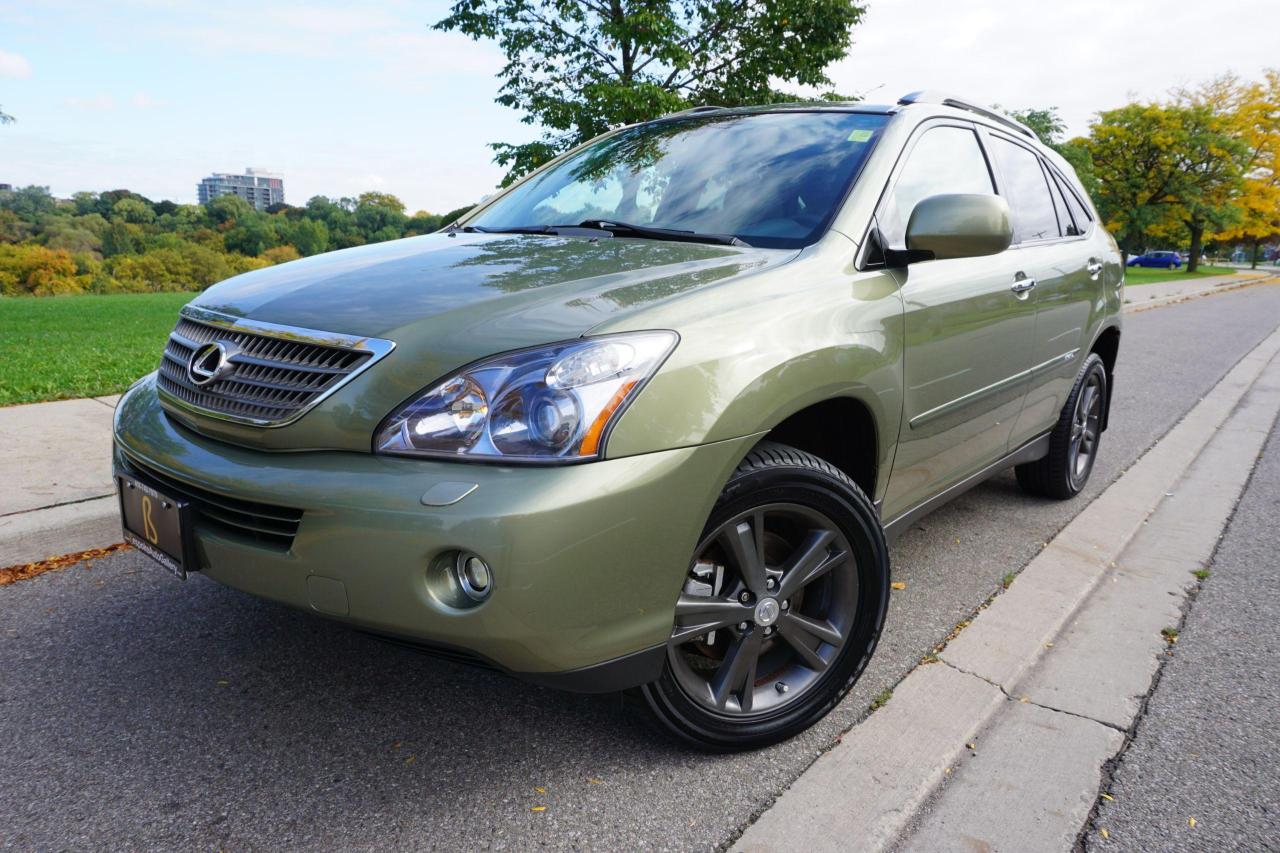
(781, 608)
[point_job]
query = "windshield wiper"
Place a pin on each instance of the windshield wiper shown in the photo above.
(675, 235)
(556, 230)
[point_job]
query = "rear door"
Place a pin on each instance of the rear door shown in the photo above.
(1054, 253)
(968, 336)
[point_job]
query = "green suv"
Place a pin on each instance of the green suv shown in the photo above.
(646, 420)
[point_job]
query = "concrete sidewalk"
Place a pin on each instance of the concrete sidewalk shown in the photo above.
(1204, 746)
(1139, 297)
(57, 496)
(998, 741)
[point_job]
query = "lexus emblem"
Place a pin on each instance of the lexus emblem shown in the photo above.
(211, 362)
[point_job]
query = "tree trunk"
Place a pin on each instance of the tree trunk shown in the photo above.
(1197, 242)
(1253, 264)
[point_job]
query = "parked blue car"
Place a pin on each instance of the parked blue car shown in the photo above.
(1162, 260)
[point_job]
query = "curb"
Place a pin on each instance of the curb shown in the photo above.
(890, 768)
(40, 534)
(1259, 277)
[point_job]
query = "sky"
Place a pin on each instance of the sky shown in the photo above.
(152, 95)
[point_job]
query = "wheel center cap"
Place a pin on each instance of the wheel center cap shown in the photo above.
(767, 612)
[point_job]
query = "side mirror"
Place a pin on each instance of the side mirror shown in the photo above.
(959, 226)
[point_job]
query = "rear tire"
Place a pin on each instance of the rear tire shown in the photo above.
(782, 607)
(1073, 444)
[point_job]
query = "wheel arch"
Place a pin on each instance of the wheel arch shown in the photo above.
(1107, 347)
(840, 430)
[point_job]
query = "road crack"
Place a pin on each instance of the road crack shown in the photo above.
(1026, 700)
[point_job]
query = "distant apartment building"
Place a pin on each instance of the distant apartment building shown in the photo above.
(261, 189)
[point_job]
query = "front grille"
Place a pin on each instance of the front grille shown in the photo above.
(273, 377)
(265, 524)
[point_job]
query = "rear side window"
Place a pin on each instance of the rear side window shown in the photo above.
(945, 160)
(1027, 190)
(1079, 214)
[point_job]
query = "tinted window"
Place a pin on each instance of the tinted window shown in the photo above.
(1027, 192)
(1079, 215)
(771, 179)
(944, 160)
(1065, 226)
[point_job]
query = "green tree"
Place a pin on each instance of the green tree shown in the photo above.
(31, 203)
(454, 215)
(133, 211)
(380, 216)
(580, 67)
(309, 236)
(1046, 123)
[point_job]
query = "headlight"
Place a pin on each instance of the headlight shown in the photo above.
(553, 403)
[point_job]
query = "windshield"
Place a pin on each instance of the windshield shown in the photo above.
(769, 179)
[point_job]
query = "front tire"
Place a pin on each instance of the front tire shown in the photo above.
(782, 607)
(1073, 444)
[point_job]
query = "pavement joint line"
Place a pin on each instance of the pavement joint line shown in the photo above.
(789, 822)
(58, 504)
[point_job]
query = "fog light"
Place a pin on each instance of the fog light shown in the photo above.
(474, 576)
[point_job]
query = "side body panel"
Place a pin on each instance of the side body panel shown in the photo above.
(763, 347)
(968, 339)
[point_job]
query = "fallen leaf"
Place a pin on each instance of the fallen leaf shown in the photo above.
(1108, 798)
(1191, 822)
(223, 682)
(595, 781)
(540, 789)
(538, 809)
(1104, 833)
(971, 746)
(410, 759)
(1024, 699)
(897, 585)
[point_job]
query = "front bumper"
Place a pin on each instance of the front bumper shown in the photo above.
(587, 559)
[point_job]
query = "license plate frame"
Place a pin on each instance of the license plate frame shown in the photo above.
(165, 523)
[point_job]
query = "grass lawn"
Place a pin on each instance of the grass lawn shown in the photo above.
(1150, 275)
(54, 347)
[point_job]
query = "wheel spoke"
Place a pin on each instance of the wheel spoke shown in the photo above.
(809, 562)
(799, 639)
(697, 615)
(819, 630)
(738, 672)
(745, 549)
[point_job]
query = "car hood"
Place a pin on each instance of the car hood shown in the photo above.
(486, 284)
(445, 301)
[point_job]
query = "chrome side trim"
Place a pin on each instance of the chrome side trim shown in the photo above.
(994, 387)
(1036, 448)
(379, 348)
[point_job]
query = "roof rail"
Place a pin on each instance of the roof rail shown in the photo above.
(699, 109)
(932, 97)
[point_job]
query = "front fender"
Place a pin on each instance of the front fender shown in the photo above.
(780, 349)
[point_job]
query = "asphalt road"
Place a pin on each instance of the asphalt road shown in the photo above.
(1205, 748)
(139, 711)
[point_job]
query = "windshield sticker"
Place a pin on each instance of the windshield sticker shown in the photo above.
(860, 135)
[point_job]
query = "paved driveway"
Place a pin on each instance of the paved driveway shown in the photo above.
(139, 711)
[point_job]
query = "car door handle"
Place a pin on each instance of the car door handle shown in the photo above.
(1094, 269)
(1022, 285)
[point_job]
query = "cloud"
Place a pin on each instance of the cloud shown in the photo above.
(14, 65)
(91, 103)
(143, 101)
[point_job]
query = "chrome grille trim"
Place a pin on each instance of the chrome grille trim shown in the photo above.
(280, 372)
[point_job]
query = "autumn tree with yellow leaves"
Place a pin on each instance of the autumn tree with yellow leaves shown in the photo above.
(1203, 164)
(1253, 110)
